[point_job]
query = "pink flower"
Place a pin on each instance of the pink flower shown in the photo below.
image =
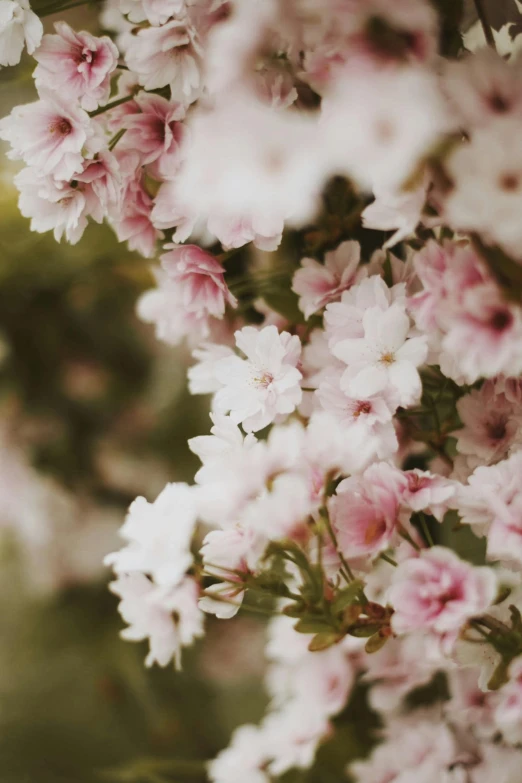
(264, 384)
(18, 26)
(439, 592)
(191, 289)
(48, 135)
(385, 359)
(133, 222)
(167, 55)
(426, 491)
(372, 415)
(365, 509)
(492, 504)
(156, 133)
(318, 284)
(491, 422)
(170, 619)
(508, 712)
(431, 265)
(52, 206)
(200, 279)
(77, 65)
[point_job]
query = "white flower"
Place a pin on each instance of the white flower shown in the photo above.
(487, 185)
(159, 536)
(256, 389)
(244, 760)
(18, 25)
(293, 734)
(385, 358)
(201, 377)
(170, 619)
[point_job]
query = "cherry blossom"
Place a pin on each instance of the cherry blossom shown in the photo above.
(77, 65)
(264, 384)
(317, 284)
(19, 27)
(438, 591)
(48, 134)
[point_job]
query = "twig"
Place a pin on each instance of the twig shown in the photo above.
(488, 32)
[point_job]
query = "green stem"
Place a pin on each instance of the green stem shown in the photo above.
(388, 559)
(109, 106)
(58, 9)
(325, 516)
(425, 529)
(115, 139)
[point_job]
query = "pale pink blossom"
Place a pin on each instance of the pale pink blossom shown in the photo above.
(483, 87)
(401, 666)
(385, 358)
(158, 536)
(486, 173)
(293, 735)
(167, 55)
(431, 265)
(415, 750)
(170, 212)
(365, 510)
(163, 307)
(372, 415)
(155, 130)
(52, 206)
(492, 504)
(344, 319)
(48, 135)
(77, 65)
(200, 278)
(133, 222)
(366, 131)
(428, 492)
(19, 27)
(264, 384)
(492, 425)
(191, 289)
(398, 211)
(323, 679)
(246, 756)
(508, 709)
(237, 141)
(169, 619)
(439, 592)
(318, 284)
(202, 377)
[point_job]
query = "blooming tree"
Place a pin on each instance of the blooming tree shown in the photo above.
(333, 189)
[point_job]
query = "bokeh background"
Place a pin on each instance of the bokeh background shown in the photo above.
(94, 411)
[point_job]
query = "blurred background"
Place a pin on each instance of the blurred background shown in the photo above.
(94, 411)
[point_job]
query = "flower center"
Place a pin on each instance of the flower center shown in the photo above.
(501, 320)
(61, 125)
(263, 380)
(362, 407)
(387, 358)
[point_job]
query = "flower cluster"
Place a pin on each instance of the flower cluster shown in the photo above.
(362, 479)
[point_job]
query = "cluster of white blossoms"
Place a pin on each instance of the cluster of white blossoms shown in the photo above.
(334, 190)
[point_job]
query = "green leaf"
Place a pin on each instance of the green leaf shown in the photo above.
(362, 631)
(324, 639)
(312, 625)
(375, 643)
(499, 676)
(347, 596)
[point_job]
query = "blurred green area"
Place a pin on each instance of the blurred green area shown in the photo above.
(100, 408)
